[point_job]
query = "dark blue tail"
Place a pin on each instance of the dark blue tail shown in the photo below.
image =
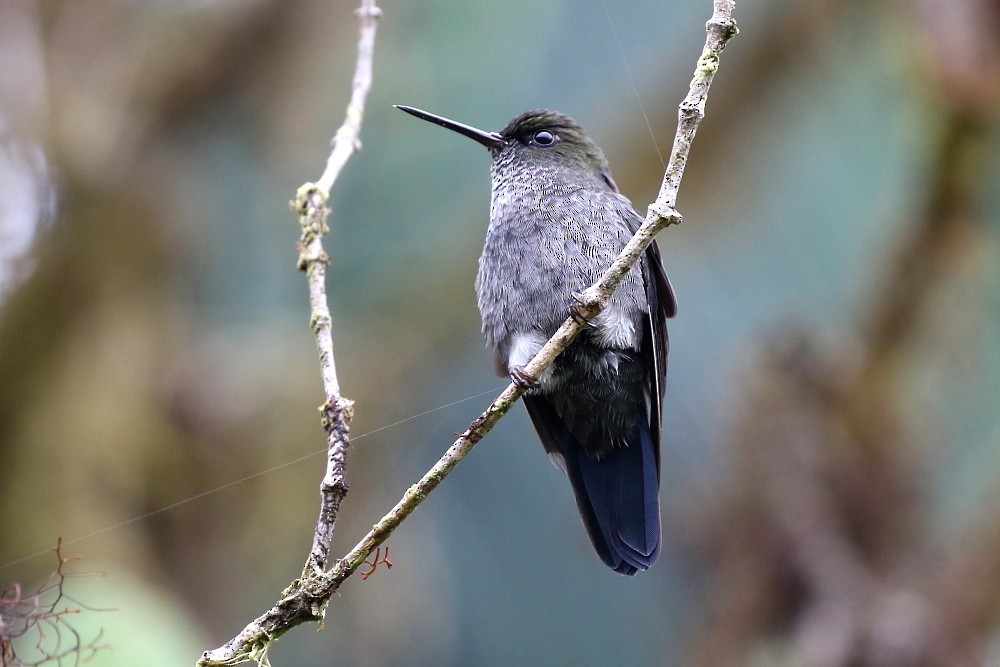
(617, 492)
(618, 498)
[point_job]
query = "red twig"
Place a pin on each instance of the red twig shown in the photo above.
(379, 559)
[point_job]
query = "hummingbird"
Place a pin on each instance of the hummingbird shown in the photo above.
(557, 222)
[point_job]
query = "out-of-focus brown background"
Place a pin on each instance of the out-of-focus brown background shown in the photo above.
(832, 436)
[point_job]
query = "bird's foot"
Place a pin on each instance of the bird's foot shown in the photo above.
(523, 378)
(574, 312)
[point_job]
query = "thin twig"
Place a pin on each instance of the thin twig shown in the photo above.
(311, 205)
(40, 620)
(304, 600)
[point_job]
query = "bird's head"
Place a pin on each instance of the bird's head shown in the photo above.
(539, 139)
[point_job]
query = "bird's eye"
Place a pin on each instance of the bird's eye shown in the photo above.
(543, 138)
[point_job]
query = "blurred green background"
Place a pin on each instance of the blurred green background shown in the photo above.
(832, 424)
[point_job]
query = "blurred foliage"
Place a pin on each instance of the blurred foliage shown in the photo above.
(831, 441)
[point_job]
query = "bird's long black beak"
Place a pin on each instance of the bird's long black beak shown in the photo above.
(491, 140)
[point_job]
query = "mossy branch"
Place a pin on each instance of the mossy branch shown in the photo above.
(305, 599)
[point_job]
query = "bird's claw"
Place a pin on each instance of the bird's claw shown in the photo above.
(576, 315)
(523, 378)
